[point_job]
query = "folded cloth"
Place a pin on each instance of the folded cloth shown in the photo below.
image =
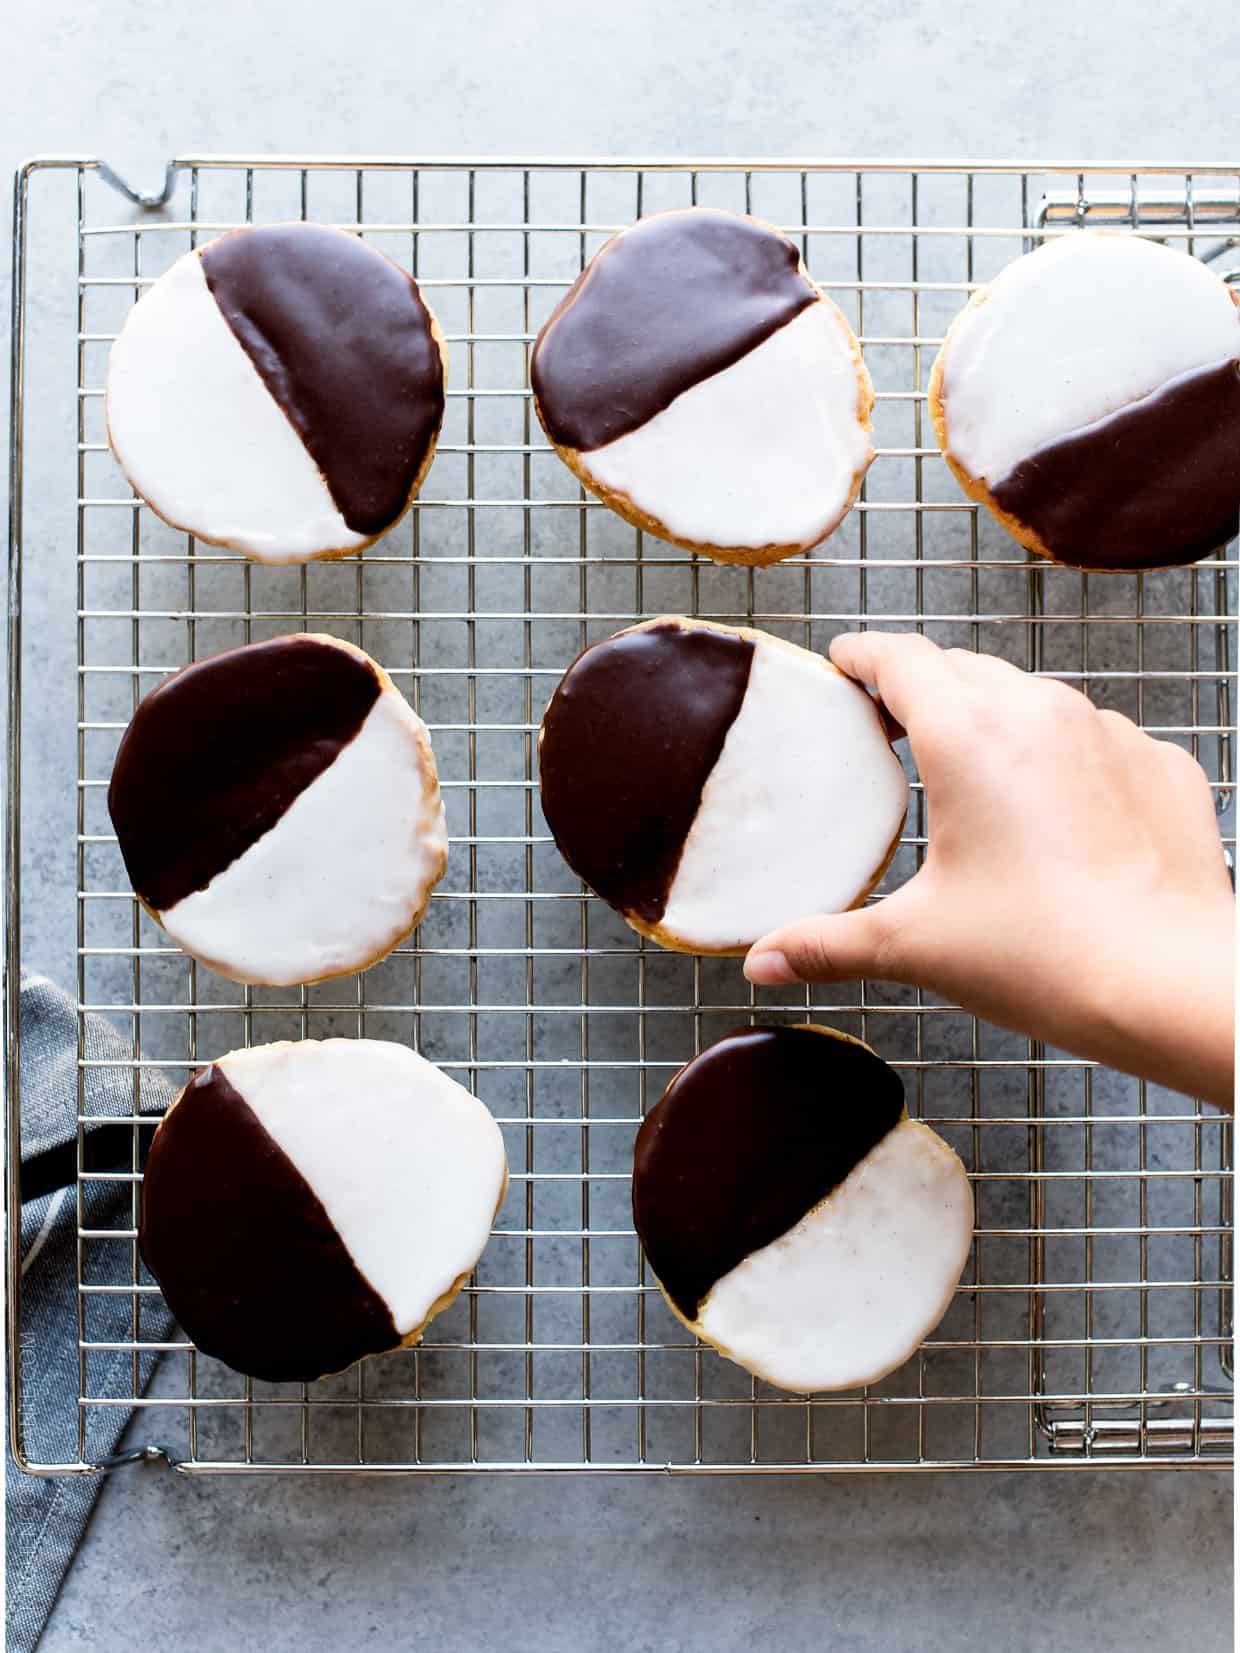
(46, 1517)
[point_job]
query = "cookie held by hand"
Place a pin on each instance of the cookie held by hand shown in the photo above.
(278, 810)
(697, 382)
(279, 391)
(309, 1203)
(792, 1213)
(1089, 396)
(712, 782)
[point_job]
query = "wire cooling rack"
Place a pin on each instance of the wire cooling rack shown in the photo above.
(1093, 1321)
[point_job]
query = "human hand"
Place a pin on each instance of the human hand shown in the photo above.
(1073, 887)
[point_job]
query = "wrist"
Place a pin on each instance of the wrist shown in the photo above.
(1162, 1002)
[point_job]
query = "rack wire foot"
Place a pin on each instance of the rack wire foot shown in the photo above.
(149, 200)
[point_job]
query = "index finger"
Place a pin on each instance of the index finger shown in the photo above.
(911, 676)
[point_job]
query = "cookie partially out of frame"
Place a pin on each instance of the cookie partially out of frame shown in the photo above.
(1089, 396)
(279, 392)
(695, 380)
(713, 782)
(793, 1214)
(278, 810)
(309, 1203)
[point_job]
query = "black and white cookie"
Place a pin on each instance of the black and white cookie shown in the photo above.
(712, 782)
(695, 380)
(1090, 397)
(307, 1204)
(279, 391)
(793, 1214)
(278, 810)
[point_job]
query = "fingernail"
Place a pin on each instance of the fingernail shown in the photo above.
(769, 968)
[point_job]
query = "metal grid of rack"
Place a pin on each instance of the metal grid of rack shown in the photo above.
(1093, 1321)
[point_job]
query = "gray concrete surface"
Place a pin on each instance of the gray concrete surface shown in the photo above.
(995, 1562)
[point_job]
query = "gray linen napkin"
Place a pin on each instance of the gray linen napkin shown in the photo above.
(47, 1516)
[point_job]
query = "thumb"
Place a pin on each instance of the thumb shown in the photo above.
(830, 947)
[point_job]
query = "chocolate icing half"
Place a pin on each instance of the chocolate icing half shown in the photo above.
(1156, 483)
(628, 742)
(214, 756)
(747, 1139)
(677, 298)
(243, 1250)
(342, 340)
